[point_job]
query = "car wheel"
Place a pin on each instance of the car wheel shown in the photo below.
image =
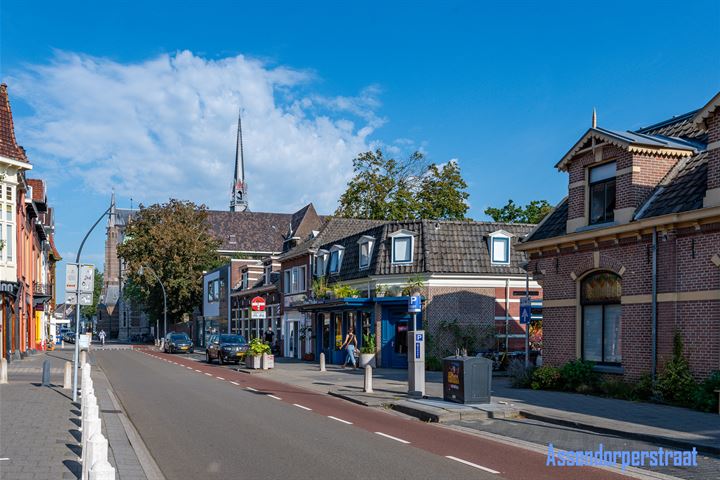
(207, 357)
(220, 359)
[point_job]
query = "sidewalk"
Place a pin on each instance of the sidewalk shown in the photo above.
(40, 437)
(673, 426)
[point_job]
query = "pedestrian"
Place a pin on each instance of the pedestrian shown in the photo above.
(269, 336)
(101, 336)
(350, 344)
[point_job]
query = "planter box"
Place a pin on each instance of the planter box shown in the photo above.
(268, 361)
(253, 362)
(367, 359)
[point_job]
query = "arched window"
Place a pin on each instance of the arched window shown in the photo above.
(601, 318)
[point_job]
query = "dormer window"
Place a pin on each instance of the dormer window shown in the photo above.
(500, 247)
(268, 272)
(336, 257)
(403, 242)
(245, 279)
(365, 245)
(602, 193)
(320, 262)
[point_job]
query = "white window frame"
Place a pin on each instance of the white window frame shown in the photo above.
(321, 258)
(402, 234)
(287, 280)
(370, 242)
(295, 280)
(10, 245)
(500, 236)
(340, 251)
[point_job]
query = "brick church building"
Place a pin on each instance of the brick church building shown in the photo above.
(632, 254)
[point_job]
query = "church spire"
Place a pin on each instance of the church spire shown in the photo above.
(594, 118)
(238, 202)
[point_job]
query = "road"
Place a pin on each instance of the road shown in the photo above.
(207, 421)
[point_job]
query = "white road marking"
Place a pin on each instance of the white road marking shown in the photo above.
(234, 383)
(189, 368)
(273, 396)
(251, 389)
(1, 459)
(220, 378)
(392, 438)
(303, 407)
(198, 371)
(340, 420)
(208, 374)
(489, 470)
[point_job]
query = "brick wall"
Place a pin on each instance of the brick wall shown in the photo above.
(684, 265)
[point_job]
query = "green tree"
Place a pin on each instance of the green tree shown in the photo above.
(389, 189)
(88, 311)
(173, 240)
(533, 212)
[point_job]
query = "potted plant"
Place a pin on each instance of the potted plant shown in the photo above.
(255, 352)
(367, 351)
(414, 286)
(344, 291)
(380, 290)
(319, 288)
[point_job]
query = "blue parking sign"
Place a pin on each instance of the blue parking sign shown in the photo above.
(415, 304)
(525, 311)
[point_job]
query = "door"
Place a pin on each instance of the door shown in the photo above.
(395, 347)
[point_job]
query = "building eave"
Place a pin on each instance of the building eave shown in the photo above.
(704, 113)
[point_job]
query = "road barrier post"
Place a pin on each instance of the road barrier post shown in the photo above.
(3, 370)
(97, 450)
(46, 373)
(368, 380)
(93, 426)
(67, 379)
(322, 362)
(83, 358)
(102, 470)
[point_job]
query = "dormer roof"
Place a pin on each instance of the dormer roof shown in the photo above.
(704, 113)
(632, 141)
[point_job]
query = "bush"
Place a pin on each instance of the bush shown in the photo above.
(617, 388)
(578, 375)
(675, 383)
(704, 397)
(520, 376)
(434, 364)
(546, 378)
(643, 389)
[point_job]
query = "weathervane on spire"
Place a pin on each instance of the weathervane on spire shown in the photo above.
(238, 202)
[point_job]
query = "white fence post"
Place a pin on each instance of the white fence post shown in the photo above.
(92, 427)
(97, 450)
(322, 361)
(368, 379)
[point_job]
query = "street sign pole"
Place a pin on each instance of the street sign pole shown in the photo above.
(416, 351)
(527, 325)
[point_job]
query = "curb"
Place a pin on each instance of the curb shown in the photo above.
(643, 437)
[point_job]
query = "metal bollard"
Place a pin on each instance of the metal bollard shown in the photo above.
(3, 370)
(368, 379)
(67, 379)
(102, 470)
(46, 373)
(96, 450)
(322, 362)
(83, 358)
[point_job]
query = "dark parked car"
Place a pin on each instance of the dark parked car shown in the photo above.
(69, 337)
(178, 342)
(226, 348)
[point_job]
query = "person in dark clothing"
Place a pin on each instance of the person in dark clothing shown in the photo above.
(269, 336)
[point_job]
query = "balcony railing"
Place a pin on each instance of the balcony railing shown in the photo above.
(42, 289)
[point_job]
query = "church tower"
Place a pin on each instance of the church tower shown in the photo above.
(238, 202)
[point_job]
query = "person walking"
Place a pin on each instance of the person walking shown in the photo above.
(350, 344)
(101, 336)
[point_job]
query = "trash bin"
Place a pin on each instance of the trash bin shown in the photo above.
(467, 379)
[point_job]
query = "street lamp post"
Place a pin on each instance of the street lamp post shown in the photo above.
(164, 301)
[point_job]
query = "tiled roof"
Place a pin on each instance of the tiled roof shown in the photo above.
(331, 230)
(555, 225)
(8, 146)
(38, 189)
(681, 126)
(53, 249)
(439, 247)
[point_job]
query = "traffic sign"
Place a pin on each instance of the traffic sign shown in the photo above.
(258, 314)
(71, 277)
(415, 304)
(525, 311)
(87, 278)
(257, 304)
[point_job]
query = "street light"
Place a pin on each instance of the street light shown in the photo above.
(140, 272)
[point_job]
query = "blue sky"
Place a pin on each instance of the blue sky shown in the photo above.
(146, 93)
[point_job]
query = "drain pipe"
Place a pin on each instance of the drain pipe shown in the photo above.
(507, 316)
(654, 304)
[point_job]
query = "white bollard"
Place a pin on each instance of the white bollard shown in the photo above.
(83, 358)
(97, 450)
(102, 470)
(93, 426)
(3, 370)
(322, 362)
(62, 343)
(368, 379)
(88, 408)
(67, 380)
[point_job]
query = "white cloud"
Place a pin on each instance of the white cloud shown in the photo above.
(165, 127)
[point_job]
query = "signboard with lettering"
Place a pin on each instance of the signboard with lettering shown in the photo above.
(415, 304)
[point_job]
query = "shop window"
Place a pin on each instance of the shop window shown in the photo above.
(366, 323)
(325, 322)
(601, 318)
(338, 331)
(602, 193)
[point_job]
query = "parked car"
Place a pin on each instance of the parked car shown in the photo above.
(178, 342)
(226, 348)
(69, 336)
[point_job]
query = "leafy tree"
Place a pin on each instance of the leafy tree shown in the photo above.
(389, 189)
(533, 212)
(88, 311)
(173, 240)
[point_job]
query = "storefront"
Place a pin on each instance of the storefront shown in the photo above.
(9, 327)
(385, 317)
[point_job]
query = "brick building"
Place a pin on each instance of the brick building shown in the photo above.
(632, 254)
